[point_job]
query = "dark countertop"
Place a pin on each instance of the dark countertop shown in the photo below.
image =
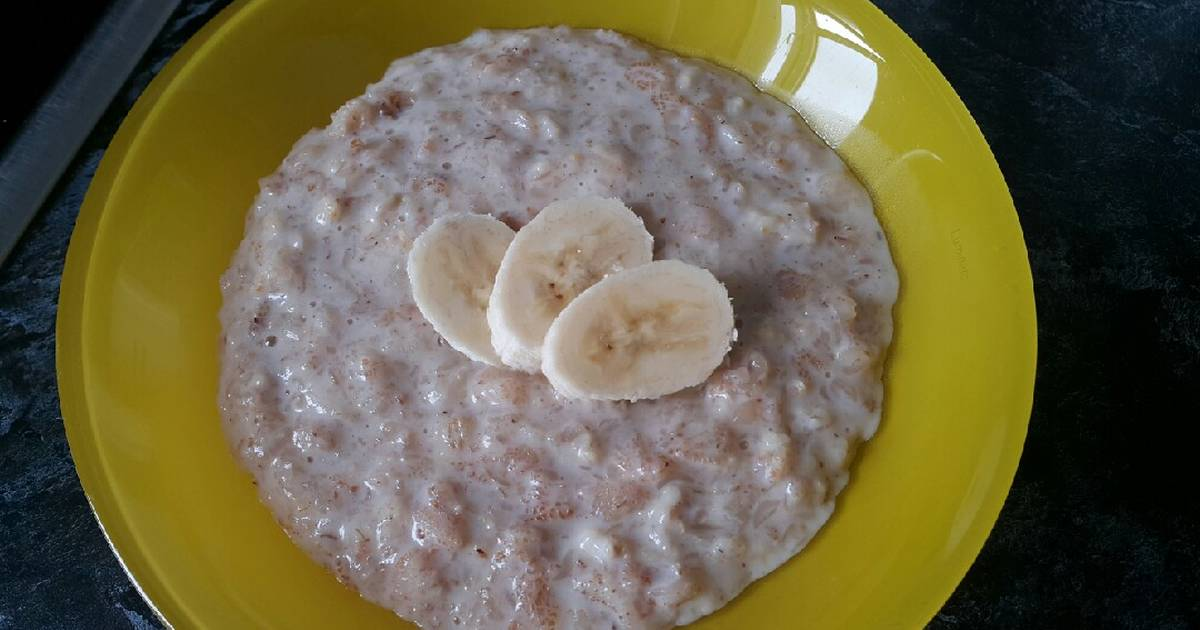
(1093, 111)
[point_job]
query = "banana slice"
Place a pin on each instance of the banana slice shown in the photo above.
(566, 248)
(452, 266)
(642, 333)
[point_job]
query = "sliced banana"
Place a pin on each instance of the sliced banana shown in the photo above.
(642, 333)
(565, 249)
(452, 266)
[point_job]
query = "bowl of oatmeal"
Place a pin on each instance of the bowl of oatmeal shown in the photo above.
(274, 434)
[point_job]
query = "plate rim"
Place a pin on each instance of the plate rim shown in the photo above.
(71, 306)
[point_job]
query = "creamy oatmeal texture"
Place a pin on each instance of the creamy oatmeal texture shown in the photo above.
(460, 494)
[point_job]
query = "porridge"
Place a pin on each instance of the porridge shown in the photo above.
(462, 494)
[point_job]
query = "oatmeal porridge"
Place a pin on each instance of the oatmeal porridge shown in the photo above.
(461, 494)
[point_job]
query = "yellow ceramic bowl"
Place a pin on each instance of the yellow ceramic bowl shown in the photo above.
(137, 327)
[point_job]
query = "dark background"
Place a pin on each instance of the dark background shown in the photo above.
(1092, 108)
(36, 48)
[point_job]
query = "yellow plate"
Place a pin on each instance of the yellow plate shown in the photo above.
(137, 327)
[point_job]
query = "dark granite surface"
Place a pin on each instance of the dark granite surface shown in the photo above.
(1093, 111)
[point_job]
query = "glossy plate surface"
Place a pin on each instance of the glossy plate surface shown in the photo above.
(137, 327)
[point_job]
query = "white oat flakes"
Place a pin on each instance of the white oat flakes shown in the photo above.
(459, 494)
